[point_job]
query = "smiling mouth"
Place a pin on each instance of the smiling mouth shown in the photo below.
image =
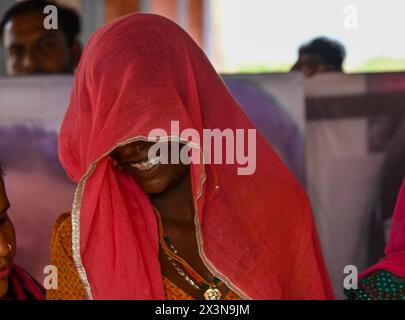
(145, 165)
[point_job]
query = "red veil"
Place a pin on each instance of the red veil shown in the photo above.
(255, 232)
(395, 250)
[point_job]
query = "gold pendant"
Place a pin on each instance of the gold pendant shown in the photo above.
(212, 294)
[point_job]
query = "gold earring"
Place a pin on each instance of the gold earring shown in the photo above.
(9, 247)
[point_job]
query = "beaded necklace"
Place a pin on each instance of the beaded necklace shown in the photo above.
(211, 291)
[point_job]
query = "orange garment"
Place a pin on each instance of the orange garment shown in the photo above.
(69, 285)
(173, 292)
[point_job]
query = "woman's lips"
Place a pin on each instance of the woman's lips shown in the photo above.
(145, 165)
(4, 273)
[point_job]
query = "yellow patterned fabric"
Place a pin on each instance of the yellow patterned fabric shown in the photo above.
(69, 284)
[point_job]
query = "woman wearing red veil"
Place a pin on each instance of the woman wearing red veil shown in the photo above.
(386, 279)
(142, 229)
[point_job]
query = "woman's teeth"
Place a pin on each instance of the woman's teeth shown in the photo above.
(145, 165)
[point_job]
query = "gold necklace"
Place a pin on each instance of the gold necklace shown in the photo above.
(211, 291)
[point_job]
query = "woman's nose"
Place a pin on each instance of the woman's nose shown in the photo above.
(5, 247)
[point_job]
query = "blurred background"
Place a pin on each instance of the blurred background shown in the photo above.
(264, 35)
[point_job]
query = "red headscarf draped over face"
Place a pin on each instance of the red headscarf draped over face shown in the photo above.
(395, 250)
(255, 232)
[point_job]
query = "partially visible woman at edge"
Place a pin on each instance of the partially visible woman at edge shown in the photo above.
(386, 279)
(142, 229)
(15, 283)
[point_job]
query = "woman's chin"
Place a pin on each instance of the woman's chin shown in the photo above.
(3, 287)
(154, 187)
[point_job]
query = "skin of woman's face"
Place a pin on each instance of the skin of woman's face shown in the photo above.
(7, 236)
(153, 179)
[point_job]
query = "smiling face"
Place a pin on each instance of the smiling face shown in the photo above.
(151, 175)
(7, 241)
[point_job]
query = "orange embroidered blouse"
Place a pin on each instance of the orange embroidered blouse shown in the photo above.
(69, 284)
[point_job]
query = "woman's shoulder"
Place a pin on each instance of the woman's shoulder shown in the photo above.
(378, 285)
(69, 284)
(24, 286)
(62, 231)
(63, 220)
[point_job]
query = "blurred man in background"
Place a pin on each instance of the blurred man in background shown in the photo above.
(320, 55)
(29, 48)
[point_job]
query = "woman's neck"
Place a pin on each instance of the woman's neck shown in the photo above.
(176, 203)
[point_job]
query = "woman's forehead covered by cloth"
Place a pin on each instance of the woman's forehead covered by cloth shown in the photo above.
(143, 44)
(136, 74)
(142, 65)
